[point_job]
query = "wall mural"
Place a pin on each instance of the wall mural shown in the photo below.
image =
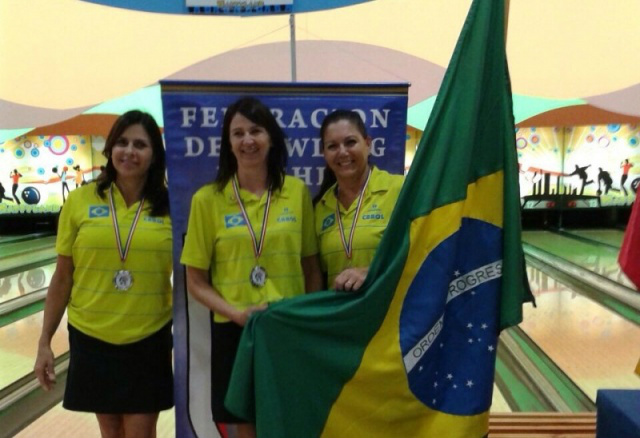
(578, 167)
(573, 167)
(37, 173)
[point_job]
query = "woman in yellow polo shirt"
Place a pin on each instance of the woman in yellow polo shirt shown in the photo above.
(113, 277)
(354, 204)
(250, 238)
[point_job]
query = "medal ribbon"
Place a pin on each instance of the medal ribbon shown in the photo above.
(257, 244)
(348, 246)
(114, 219)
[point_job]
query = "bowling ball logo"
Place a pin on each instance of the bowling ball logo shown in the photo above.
(634, 185)
(36, 278)
(31, 195)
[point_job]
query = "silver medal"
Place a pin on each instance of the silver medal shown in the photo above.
(258, 276)
(123, 279)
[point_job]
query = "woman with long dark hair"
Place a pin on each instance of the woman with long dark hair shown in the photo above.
(250, 238)
(113, 277)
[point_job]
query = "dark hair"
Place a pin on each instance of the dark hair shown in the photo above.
(340, 114)
(258, 113)
(155, 187)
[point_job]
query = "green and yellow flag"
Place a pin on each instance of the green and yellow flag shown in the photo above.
(413, 355)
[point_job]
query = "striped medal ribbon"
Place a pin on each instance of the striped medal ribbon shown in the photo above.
(258, 274)
(123, 279)
(348, 246)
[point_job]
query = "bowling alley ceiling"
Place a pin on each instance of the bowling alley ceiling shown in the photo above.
(65, 58)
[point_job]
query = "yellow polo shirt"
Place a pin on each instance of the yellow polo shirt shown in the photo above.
(218, 240)
(96, 307)
(378, 203)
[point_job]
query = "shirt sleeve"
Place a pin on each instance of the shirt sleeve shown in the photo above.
(199, 241)
(309, 239)
(68, 226)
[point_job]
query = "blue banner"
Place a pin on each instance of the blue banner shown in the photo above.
(193, 116)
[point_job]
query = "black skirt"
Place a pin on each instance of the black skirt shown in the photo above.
(225, 339)
(132, 378)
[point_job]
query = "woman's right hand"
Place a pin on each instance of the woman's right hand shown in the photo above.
(44, 367)
(350, 279)
(54, 307)
(242, 317)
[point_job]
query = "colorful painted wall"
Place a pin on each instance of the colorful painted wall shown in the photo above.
(38, 172)
(578, 167)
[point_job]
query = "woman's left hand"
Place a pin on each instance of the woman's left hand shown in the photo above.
(243, 316)
(350, 279)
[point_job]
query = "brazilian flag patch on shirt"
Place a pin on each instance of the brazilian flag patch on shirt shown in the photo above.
(98, 211)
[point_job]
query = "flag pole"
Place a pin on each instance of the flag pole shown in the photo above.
(292, 29)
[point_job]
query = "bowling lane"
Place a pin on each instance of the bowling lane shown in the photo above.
(592, 345)
(22, 262)
(607, 236)
(23, 283)
(21, 237)
(14, 248)
(602, 260)
(18, 346)
(498, 402)
(60, 423)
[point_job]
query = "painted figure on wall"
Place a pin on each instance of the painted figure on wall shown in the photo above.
(79, 178)
(605, 182)
(625, 166)
(581, 172)
(3, 196)
(15, 178)
(63, 180)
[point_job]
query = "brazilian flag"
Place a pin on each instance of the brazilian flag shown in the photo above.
(413, 355)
